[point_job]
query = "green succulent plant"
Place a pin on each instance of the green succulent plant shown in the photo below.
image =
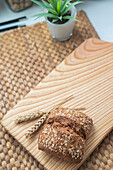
(57, 9)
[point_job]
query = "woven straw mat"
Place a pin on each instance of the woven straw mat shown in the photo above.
(27, 55)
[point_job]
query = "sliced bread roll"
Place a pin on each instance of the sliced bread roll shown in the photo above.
(65, 133)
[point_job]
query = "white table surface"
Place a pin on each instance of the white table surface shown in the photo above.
(100, 13)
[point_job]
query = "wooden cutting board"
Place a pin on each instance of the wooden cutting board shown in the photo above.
(87, 74)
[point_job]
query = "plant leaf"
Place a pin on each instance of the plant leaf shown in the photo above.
(52, 11)
(70, 17)
(54, 20)
(53, 3)
(64, 4)
(60, 18)
(39, 3)
(59, 6)
(46, 4)
(45, 15)
(71, 5)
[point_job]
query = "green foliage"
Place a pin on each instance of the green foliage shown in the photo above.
(57, 9)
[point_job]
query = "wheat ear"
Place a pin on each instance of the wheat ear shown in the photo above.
(28, 117)
(38, 124)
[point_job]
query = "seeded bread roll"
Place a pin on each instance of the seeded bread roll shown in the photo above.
(65, 133)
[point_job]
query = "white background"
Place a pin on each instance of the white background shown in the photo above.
(100, 13)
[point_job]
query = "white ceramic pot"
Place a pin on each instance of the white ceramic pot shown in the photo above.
(62, 32)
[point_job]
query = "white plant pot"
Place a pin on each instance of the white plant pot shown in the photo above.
(62, 32)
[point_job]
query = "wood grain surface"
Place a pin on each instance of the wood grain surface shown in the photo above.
(87, 74)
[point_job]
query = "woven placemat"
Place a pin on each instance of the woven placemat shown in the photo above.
(27, 55)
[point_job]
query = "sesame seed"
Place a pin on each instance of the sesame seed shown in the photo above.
(73, 156)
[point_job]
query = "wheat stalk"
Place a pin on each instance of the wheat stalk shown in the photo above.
(64, 101)
(79, 108)
(42, 117)
(38, 124)
(30, 116)
(37, 114)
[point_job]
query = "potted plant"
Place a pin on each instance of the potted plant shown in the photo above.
(60, 16)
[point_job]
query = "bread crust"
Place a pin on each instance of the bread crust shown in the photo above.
(65, 133)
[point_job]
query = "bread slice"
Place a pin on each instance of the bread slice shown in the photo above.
(65, 133)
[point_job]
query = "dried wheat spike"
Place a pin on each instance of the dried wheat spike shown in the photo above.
(30, 116)
(35, 127)
(37, 114)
